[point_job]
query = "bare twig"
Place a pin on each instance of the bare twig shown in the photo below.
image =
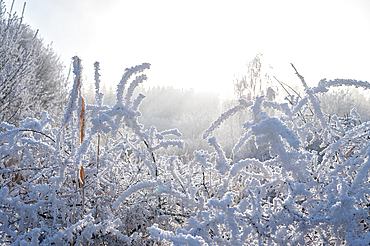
(303, 82)
(282, 85)
(300, 76)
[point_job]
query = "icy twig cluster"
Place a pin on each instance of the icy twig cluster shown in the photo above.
(293, 179)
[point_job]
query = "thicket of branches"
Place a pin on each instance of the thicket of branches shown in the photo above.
(306, 181)
(31, 74)
(295, 176)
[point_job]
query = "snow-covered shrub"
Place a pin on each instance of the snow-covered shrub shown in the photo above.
(58, 186)
(31, 78)
(340, 101)
(305, 183)
(296, 196)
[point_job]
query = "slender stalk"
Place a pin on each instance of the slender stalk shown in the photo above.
(97, 158)
(300, 76)
(82, 120)
(204, 184)
(282, 85)
(303, 82)
(82, 180)
(74, 207)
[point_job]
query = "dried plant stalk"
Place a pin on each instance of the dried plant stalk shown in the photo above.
(349, 152)
(82, 185)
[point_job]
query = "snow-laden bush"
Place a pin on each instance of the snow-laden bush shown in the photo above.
(296, 196)
(31, 78)
(306, 182)
(59, 186)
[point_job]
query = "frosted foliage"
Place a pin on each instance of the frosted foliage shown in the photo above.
(305, 180)
(342, 100)
(31, 78)
(340, 82)
(60, 186)
(18, 68)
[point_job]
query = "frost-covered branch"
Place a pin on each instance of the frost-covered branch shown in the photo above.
(349, 82)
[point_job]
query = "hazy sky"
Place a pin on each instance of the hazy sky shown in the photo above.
(202, 44)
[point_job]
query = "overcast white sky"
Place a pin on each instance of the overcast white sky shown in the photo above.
(202, 44)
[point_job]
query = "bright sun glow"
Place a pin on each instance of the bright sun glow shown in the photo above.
(203, 44)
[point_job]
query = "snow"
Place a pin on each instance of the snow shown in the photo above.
(349, 82)
(305, 182)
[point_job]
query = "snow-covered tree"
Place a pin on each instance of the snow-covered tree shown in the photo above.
(31, 75)
(340, 102)
(257, 81)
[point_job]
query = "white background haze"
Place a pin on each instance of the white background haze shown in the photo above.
(203, 44)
